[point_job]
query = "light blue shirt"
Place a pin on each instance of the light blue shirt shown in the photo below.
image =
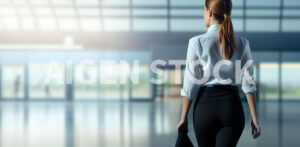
(207, 49)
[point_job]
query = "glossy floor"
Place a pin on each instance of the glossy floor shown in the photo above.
(127, 124)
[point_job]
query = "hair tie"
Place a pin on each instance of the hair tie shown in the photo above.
(226, 15)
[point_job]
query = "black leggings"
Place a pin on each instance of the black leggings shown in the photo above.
(218, 116)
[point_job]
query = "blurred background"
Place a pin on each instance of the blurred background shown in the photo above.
(38, 37)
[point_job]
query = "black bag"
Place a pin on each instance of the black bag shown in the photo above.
(183, 139)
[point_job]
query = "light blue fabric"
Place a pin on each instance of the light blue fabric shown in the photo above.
(206, 49)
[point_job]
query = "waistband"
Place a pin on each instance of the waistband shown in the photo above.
(220, 93)
(220, 87)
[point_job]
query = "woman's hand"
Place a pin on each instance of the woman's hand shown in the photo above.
(251, 98)
(255, 129)
(182, 125)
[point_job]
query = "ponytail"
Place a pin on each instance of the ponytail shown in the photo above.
(222, 11)
(226, 37)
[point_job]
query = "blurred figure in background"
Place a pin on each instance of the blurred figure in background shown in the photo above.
(17, 83)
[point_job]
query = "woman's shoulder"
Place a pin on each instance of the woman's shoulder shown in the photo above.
(202, 38)
(241, 40)
(195, 38)
(242, 43)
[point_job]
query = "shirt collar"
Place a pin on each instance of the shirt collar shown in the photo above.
(214, 27)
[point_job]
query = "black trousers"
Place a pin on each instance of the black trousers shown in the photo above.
(218, 116)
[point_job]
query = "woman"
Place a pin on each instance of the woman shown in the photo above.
(218, 113)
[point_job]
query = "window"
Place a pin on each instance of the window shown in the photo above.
(291, 3)
(115, 12)
(237, 12)
(187, 25)
(85, 82)
(62, 2)
(149, 12)
(187, 12)
(115, 2)
(120, 24)
(11, 23)
(187, 3)
(68, 24)
(172, 89)
(262, 25)
(263, 12)
(4, 1)
(65, 11)
(24, 11)
(268, 85)
(46, 81)
(89, 12)
(20, 1)
(147, 2)
(290, 80)
(47, 24)
(238, 24)
(87, 2)
(39, 2)
(237, 3)
(141, 90)
(91, 24)
(267, 3)
(7, 11)
(292, 12)
(109, 80)
(291, 25)
(43, 11)
(150, 24)
(28, 23)
(12, 81)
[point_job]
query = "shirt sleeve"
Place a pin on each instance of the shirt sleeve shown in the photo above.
(247, 85)
(190, 88)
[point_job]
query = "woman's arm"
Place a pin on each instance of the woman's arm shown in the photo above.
(189, 89)
(249, 88)
(186, 103)
(251, 98)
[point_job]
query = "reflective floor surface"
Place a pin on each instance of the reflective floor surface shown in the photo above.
(127, 124)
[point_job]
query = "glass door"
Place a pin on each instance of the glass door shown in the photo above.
(109, 81)
(141, 89)
(85, 82)
(269, 80)
(46, 81)
(12, 81)
(291, 80)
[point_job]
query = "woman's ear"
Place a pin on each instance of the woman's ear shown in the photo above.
(210, 13)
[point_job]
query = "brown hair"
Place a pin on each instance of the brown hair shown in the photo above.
(221, 11)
